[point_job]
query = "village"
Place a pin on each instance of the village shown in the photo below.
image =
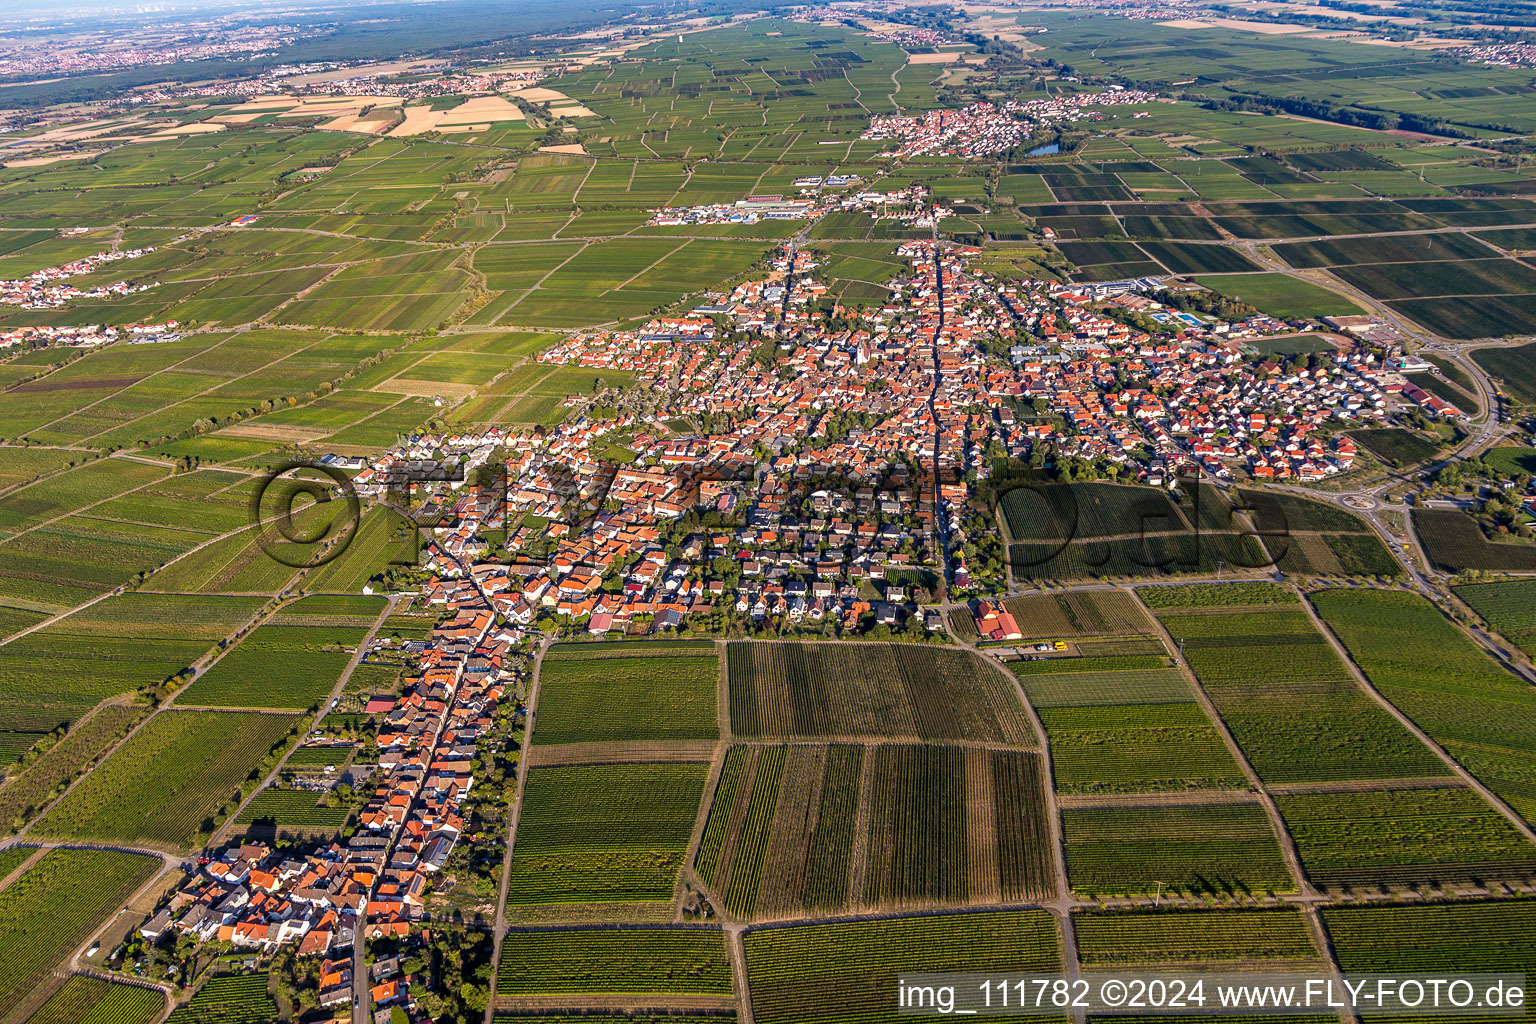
(984, 128)
(834, 487)
(86, 336)
(910, 203)
(43, 289)
(318, 900)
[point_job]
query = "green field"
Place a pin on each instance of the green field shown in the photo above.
(167, 784)
(604, 833)
(1433, 672)
(1281, 295)
(641, 696)
(847, 971)
(649, 962)
(1195, 937)
(227, 999)
(1509, 607)
(1290, 702)
(1404, 837)
(1214, 848)
(56, 905)
(86, 1000)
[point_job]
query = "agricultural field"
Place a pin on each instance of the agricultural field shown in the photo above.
(946, 826)
(603, 833)
(1079, 614)
(1288, 699)
(1279, 937)
(1395, 446)
(228, 999)
(648, 962)
(1103, 530)
(44, 779)
(289, 813)
(1454, 542)
(1216, 595)
(1498, 937)
(1281, 295)
(1151, 745)
(896, 691)
(658, 691)
(1509, 607)
(87, 1000)
(291, 661)
(847, 970)
(132, 642)
(1307, 537)
(1481, 714)
(1217, 849)
(55, 906)
(1433, 837)
(1515, 367)
(169, 782)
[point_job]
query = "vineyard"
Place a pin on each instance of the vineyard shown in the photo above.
(281, 667)
(341, 609)
(1191, 937)
(86, 1000)
(604, 833)
(750, 841)
(1276, 511)
(55, 906)
(947, 827)
(900, 691)
(1496, 937)
(1135, 748)
(116, 646)
(1509, 607)
(1405, 837)
(586, 651)
(1453, 541)
(166, 783)
(846, 972)
(1222, 849)
(1215, 595)
(918, 828)
(605, 961)
(1418, 659)
(1086, 511)
(228, 999)
(1290, 702)
(1099, 530)
(290, 813)
(587, 699)
(47, 777)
